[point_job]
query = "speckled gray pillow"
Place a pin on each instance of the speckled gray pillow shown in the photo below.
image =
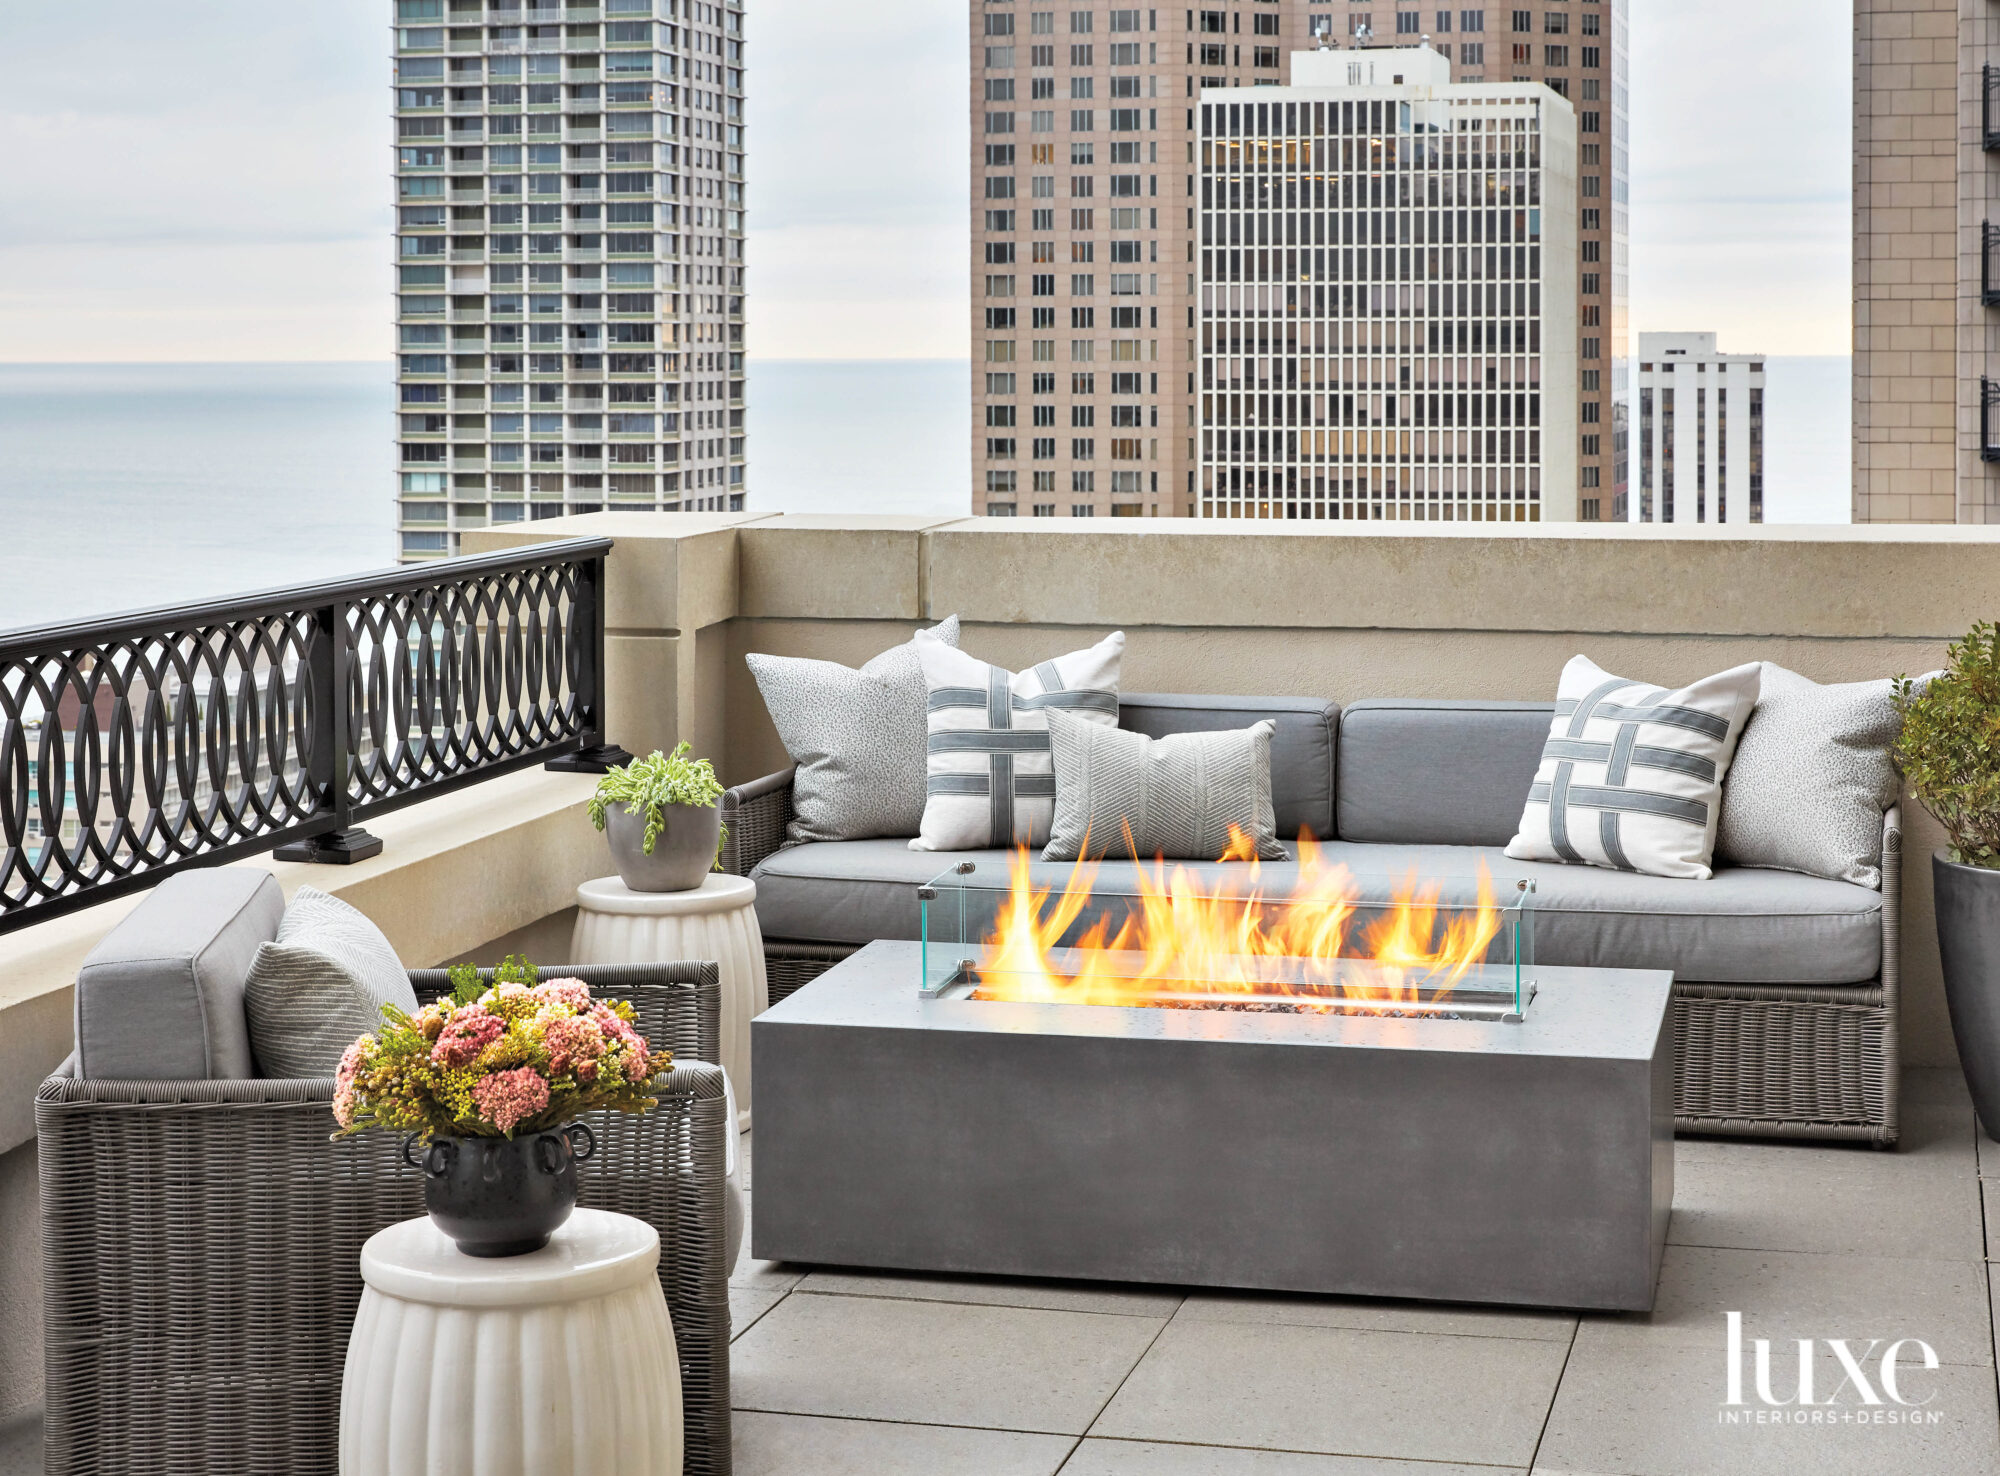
(1811, 778)
(857, 737)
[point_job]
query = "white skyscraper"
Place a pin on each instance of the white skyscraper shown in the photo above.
(1700, 432)
(569, 261)
(1388, 301)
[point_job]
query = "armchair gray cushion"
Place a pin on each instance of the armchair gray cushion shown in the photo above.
(161, 995)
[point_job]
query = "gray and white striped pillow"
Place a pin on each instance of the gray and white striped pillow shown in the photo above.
(989, 778)
(321, 984)
(1631, 775)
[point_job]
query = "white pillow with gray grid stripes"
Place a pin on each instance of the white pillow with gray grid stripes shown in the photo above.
(990, 780)
(1631, 776)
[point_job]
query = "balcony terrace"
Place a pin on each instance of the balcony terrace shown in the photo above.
(838, 1370)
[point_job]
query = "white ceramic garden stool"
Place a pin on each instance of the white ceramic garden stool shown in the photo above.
(715, 922)
(557, 1363)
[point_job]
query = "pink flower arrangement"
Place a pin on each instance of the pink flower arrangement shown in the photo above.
(510, 1096)
(573, 993)
(574, 1046)
(493, 1062)
(467, 1033)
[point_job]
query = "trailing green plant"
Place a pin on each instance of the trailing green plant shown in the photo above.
(655, 781)
(1950, 744)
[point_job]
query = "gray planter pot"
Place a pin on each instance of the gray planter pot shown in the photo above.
(682, 856)
(1968, 925)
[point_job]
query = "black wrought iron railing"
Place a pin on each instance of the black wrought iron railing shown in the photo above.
(1989, 107)
(1989, 277)
(145, 743)
(1989, 423)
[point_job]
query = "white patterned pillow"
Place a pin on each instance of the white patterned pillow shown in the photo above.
(1120, 793)
(857, 738)
(991, 781)
(1631, 775)
(321, 984)
(1811, 779)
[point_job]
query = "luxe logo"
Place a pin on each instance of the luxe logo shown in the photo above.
(1859, 1385)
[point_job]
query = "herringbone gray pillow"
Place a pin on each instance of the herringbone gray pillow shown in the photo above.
(857, 738)
(321, 984)
(1177, 796)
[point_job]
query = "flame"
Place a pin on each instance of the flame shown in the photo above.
(1228, 938)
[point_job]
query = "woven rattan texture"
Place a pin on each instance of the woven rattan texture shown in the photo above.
(201, 1245)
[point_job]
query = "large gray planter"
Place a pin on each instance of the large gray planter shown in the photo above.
(682, 856)
(1968, 924)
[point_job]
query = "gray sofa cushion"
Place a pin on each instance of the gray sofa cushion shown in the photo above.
(1743, 926)
(1438, 773)
(1302, 745)
(161, 995)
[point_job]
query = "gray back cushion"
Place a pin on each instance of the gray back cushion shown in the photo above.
(1422, 773)
(161, 995)
(1302, 744)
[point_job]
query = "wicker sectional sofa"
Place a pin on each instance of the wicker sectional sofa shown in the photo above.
(1785, 993)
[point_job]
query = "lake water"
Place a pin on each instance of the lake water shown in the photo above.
(131, 485)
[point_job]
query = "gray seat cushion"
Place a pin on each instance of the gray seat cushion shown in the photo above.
(1302, 744)
(1438, 773)
(161, 995)
(1745, 926)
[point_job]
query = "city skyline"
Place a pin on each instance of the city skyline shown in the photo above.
(258, 167)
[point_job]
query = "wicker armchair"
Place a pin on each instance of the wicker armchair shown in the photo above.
(201, 1244)
(1780, 1061)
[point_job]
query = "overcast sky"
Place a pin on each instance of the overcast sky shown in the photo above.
(212, 181)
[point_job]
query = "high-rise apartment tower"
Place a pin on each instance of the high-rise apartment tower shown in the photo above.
(1387, 325)
(1699, 442)
(569, 258)
(1083, 225)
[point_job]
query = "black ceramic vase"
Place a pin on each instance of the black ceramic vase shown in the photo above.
(502, 1196)
(1968, 925)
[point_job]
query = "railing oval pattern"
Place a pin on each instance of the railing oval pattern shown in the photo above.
(145, 743)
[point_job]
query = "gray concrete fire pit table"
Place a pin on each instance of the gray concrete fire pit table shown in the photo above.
(1526, 1162)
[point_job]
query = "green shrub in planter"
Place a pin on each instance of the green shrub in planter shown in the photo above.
(1950, 753)
(1950, 745)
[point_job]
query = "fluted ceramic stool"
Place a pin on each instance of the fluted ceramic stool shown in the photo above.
(716, 922)
(557, 1363)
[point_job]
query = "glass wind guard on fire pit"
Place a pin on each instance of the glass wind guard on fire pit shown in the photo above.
(1173, 937)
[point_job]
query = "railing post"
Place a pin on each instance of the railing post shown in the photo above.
(586, 638)
(331, 661)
